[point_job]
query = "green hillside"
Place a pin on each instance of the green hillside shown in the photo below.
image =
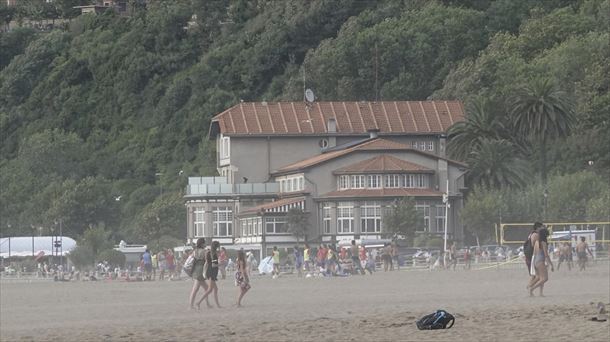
(101, 123)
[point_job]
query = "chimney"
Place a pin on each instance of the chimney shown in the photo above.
(332, 129)
(373, 133)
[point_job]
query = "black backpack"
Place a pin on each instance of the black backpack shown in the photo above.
(528, 249)
(441, 319)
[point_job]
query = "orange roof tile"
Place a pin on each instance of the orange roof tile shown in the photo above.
(383, 164)
(298, 118)
(384, 192)
(368, 145)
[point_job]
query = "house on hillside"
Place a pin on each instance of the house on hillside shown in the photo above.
(343, 163)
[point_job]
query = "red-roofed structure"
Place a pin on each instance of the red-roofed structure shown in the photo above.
(343, 163)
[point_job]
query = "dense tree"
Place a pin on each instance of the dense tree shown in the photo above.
(296, 222)
(401, 218)
(541, 112)
(103, 106)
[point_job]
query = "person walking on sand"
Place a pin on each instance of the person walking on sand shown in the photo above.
(540, 259)
(147, 261)
(528, 254)
(242, 277)
(386, 256)
(222, 262)
(356, 258)
(452, 256)
(298, 261)
(306, 258)
(565, 254)
(275, 256)
(211, 273)
(581, 252)
(198, 272)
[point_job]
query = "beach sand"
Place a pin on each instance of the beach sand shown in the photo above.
(489, 305)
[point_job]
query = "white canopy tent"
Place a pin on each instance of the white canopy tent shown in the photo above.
(21, 246)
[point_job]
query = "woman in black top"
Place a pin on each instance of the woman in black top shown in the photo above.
(211, 273)
(199, 280)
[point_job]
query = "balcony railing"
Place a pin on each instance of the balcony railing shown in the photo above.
(209, 189)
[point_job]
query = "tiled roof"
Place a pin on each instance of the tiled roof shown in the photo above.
(298, 118)
(378, 193)
(370, 145)
(281, 205)
(383, 164)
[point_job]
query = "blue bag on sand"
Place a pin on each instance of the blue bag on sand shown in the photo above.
(440, 319)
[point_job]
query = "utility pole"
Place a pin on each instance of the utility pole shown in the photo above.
(446, 201)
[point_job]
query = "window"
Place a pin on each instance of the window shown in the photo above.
(408, 181)
(291, 184)
(422, 145)
(370, 216)
(345, 218)
(199, 222)
(414, 144)
(358, 182)
(223, 221)
(440, 218)
(326, 218)
(259, 223)
(250, 227)
(225, 147)
(430, 145)
(343, 182)
(421, 181)
(423, 214)
(373, 181)
(392, 181)
(275, 225)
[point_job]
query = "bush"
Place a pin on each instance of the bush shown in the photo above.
(114, 257)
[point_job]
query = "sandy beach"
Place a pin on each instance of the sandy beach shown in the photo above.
(489, 305)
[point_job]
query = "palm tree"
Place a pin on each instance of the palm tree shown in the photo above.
(482, 122)
(494, 164)
(540, 113)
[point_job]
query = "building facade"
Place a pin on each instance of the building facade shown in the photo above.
(343, 163)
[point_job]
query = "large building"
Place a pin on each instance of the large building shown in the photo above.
(343, 163)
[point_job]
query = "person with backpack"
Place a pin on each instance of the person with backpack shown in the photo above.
(198, 273)
(528, 251)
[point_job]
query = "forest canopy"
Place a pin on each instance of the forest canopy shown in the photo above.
(102, 121)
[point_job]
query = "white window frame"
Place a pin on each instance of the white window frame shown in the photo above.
(199, 222)
(225, 147)
(370, 217)
(358, 181)
(345, 217)
(440, 217)
(430, 146)
(374, 181)
(392, 181)
(424, 208)
(344, 182)
(275, 222)
(414, 144)
(223, 221)
(422, 145)
(326, 219)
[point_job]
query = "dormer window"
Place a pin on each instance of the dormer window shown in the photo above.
(291, 183)
(225, 147)
(388, 181)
